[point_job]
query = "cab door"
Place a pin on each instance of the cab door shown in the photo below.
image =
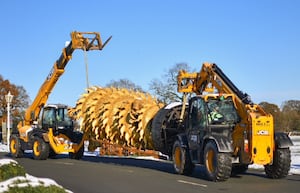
(49, 118)
(197, 123)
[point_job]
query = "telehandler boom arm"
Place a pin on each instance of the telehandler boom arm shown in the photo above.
(209, 78)
(79, 40)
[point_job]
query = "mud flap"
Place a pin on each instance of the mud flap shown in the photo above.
(223, 143)
(282, 140)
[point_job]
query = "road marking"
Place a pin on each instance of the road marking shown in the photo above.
(126, 170)
(65, 163)
(192, 183)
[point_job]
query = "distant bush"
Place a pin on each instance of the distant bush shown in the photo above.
(11, 170)
(36, 189)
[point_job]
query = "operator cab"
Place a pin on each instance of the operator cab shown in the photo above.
(56, 117)
(212, 110)
(221, 110)
(210, 116)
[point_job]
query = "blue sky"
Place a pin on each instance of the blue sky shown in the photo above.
(256, 43)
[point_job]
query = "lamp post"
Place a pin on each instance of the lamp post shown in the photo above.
(8, 99)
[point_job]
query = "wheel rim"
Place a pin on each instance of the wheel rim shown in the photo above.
(36, 148)
(13, 148)
(210, 161)
(177, 157)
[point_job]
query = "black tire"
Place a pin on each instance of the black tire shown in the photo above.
(77, 137)
(165, 128)
(181, 160)
(15, 146)
(40, 149)
(157, 130)
(52, 153)
(217, 165)
(281, 164)
(78, 155)
(239, 169)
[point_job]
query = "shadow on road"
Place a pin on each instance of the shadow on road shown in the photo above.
(153, 164)
(159, 165)
(165, 166)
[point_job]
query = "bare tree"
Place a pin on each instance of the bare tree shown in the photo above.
(165, 89)
(19, 103)
(124, 83)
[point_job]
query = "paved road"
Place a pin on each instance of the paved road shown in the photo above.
(122, 175)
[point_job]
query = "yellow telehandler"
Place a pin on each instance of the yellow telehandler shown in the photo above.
(219, 127)
(47, 129)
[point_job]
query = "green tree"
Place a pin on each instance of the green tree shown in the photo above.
(274, 110)
(291, 115)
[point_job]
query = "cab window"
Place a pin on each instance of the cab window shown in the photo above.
(197, 114)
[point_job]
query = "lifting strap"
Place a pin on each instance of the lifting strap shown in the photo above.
(86, 68)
